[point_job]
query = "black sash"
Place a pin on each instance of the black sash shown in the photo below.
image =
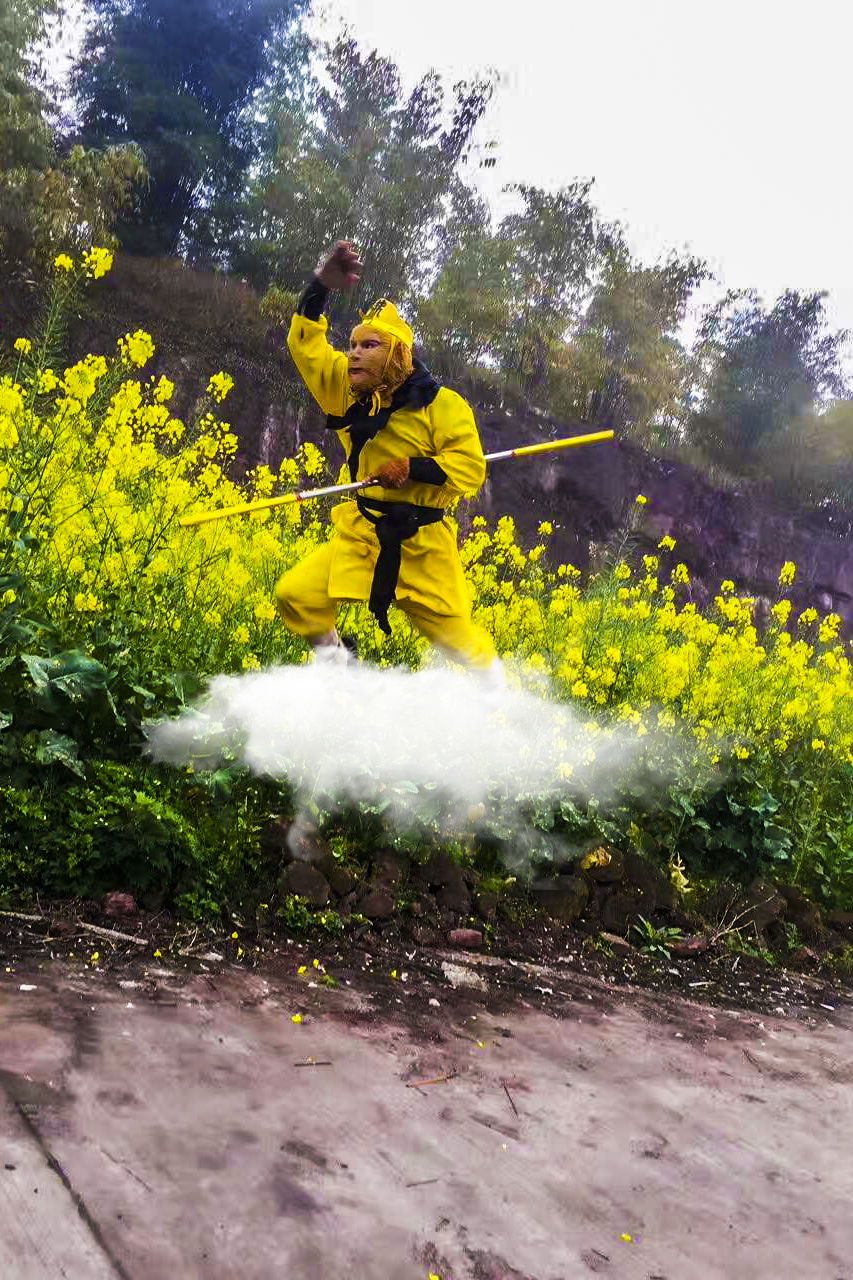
(394, 523)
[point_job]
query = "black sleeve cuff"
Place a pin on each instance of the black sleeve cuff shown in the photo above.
(313, 300)
(426, 471)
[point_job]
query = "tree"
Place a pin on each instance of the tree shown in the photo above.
(173, 78)
(553, 251)
(49, 200)
(762, 370)
(643, 374)
(26, 143)
(356, 157)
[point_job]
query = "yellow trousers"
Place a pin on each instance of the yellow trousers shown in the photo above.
(307, 609)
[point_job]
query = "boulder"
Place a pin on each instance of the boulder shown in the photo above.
(654, 885)
(765, 903)
(377, 905)
(604, 866)
(563, 898)
(487, 905)
(306, 882)
(440, 870)
(389, 867)
(454, 896)
(274, 839)
(799, 910)
(341, 879)
(841, 920)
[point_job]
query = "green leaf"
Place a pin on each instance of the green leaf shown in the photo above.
(57, 748)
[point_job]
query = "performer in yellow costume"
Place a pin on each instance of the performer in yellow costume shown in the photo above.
(394, 542)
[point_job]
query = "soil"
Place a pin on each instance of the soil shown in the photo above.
(519, 955)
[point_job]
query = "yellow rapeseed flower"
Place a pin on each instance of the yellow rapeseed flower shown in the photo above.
(640, 500)
(545, 527)
(666, 543)
(62, 262)
(788, 573)
(97, 262)
(23, 345)
(220, 385)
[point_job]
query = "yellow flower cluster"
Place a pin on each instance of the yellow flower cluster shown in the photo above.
(96, 263)
(136, 348)
(219, 386)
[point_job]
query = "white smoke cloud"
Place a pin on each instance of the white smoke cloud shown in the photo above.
(358, 733)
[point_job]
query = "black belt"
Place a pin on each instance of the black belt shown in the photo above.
(394, 523)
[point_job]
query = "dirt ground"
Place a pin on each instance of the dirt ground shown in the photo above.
(472, 1117)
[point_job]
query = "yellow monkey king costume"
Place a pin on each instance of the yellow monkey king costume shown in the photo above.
(388, 544)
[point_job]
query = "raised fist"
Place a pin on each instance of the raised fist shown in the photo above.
(340, 267)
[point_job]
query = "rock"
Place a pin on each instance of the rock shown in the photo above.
(458, 976)
(841, 920)
(801, 911)
(465, 938)
(652, 881)
(389, 867)
(454, 896)
(307, 882)
(274, 839)
(118, 906)
(341, 880)
(378, 905)
(440, 870)
(563, 898)
(604, 866)
(684, 948)
(487, 905)
(805, 957)
(619, 946)
(765, 903)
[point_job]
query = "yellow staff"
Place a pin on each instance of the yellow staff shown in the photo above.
(335, 490)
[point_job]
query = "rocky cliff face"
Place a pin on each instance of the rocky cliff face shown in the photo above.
(587, 493)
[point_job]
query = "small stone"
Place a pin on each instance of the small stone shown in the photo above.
(119, 905)
(619, 946)
(307, 882)
(458, 976)
(465, 937)
(683, 948)
(378, 905)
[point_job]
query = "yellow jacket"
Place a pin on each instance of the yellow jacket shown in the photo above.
(433, 422)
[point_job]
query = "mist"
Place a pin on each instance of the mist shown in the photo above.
(346, 734)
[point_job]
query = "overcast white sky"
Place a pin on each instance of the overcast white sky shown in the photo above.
(720, 126)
